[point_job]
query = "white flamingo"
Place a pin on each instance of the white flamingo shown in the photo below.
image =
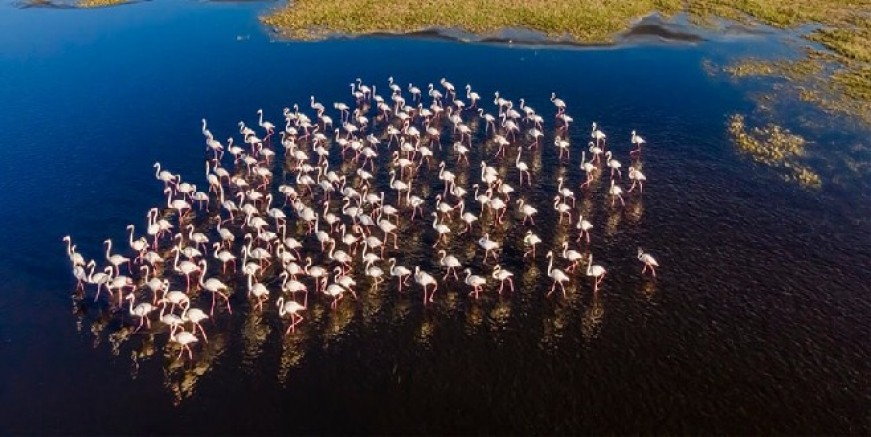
(183, 339)
(530, 240)
(648, 261)
(401, 273)
(637, 141)
(616, 191)
(613, 164)
(597, 272)
(116, 260)
(195, 316)
(292, 308)
(503, 275)
(637, 177)
(527, 210)
(489, 246)
(425, 280)
(584, 226)
(450, 263)
(558, 276)
(474, 281)
(141, 311)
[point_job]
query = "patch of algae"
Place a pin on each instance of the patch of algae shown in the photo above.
(775, 147)
(817, 78)
(100, 3)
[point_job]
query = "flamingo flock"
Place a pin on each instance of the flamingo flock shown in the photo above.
(329, 222)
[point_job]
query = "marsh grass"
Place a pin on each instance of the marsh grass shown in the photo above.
(776, 147)
(583, 20)
(73, 3)
(100, 3)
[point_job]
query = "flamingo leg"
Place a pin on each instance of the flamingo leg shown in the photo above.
(203, 331)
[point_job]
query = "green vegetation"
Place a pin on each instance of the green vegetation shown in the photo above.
(584, 20)
(74, 3)
(100, 3)
(776, 147)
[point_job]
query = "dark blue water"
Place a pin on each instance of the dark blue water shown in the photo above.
(757, 322)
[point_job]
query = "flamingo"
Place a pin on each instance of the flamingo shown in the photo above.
(616, 191)
(425, 280)
(588, 168)
(139, 245)
(596, 151)
(75, 257)
(100, 278)
(185, 267)
(197, 237)
(339, 277)
(584, 226)
(564, 191)
(571, 255)
(116, 260)
(527, 210)
(225, 257)
(292, 308)
(637, 177)
(269, 127)
(563, 208)
(175, 298)
(257, 289)
(475, 281)
(195, 316)
(141, 310)
(563, 146)
(336, 291)
(163, 175)
(183, 339)
(400, 272)
(449, 262)
(467, 217)
(557, 275)
(637, 141)
(489, 246)
(441, 229)
(648, 261)
(559, 103)
(171, 320)
(375, 273)
(613, 164)
(595, 271)
(530, 240)
(317, 272)
(81, 277)
(522, 168)
(503, 275)
(597, 135)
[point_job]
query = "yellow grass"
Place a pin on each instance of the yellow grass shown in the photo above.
(100, 3)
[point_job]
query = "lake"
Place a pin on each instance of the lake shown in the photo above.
(757, 321)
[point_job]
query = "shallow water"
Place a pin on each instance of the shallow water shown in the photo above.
(757, 321)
